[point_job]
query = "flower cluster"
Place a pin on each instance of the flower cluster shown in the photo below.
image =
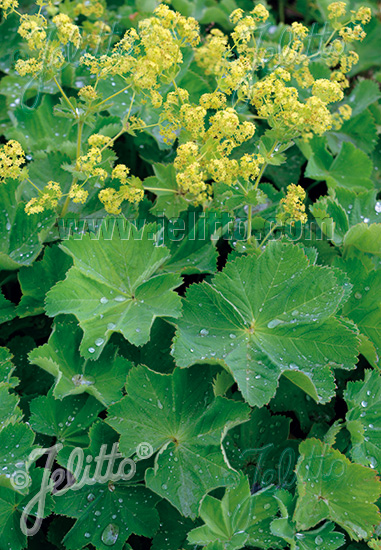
(130, 190)
(292, 207)
(12, 157)
(88, 163)
(150, 55)
(8, 6)
(209, 140)
(48, 198)
(67, 31)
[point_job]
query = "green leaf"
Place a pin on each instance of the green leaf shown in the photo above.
(364, 419)
(108, 512)
(174, 528)
(39, 129)
(324, 537)
(67, 420)
(189, 238)
(290, 398)
(164, 185)
(331, 487)
(351, 168)
(6, 367)
(16, 444)
(362, 308)
(35, 281)
(7, 309)
(267, 316)
(261, 449)
(363, 94)
(12, 505)
(113, 287)
(21, 235)
(359, 206)
(103, 378)
(331, 218)
(178, 415)
(365, 238)
(238, 519)
(360, 130)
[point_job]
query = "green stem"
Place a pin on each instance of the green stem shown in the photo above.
(264, 166)
(268, 235)
(78, 154)
(249, 220)
(34, 185)
(64, 96)
(111, 96)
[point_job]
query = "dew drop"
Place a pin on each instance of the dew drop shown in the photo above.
(99, 342)
(110, 534)
(274, 323)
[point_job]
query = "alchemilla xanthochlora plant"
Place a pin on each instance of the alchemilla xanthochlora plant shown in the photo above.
(190, 275)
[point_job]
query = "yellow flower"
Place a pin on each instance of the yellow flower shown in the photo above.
(12, 157)
(89, 8)
(8, 6)
(29, 66)
(364, 15)
(33, 207)
(292, 207)
(327, 91)
(67, 31)
(88, 93)
(98, 140)
(120, 172)
(77, 194)
(216, 100)
(32, 28)
(192, 182)
(336, 10)
(260, 13)
(48, 198)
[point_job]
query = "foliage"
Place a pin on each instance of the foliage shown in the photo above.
(190, 275)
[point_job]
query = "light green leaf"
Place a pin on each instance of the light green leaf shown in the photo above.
(178, 416)
(363, 94)
(267, 316)
(21, 235)
(362, 307)
(188, 237)
(163, 184)
(35, 281)
(237, 519)
(364, 419)
(365, 238)
(103, 378)
(114, 287)
(39, 129)
(351, 168)
(331, 487)
(360, 130)
(324, 538)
